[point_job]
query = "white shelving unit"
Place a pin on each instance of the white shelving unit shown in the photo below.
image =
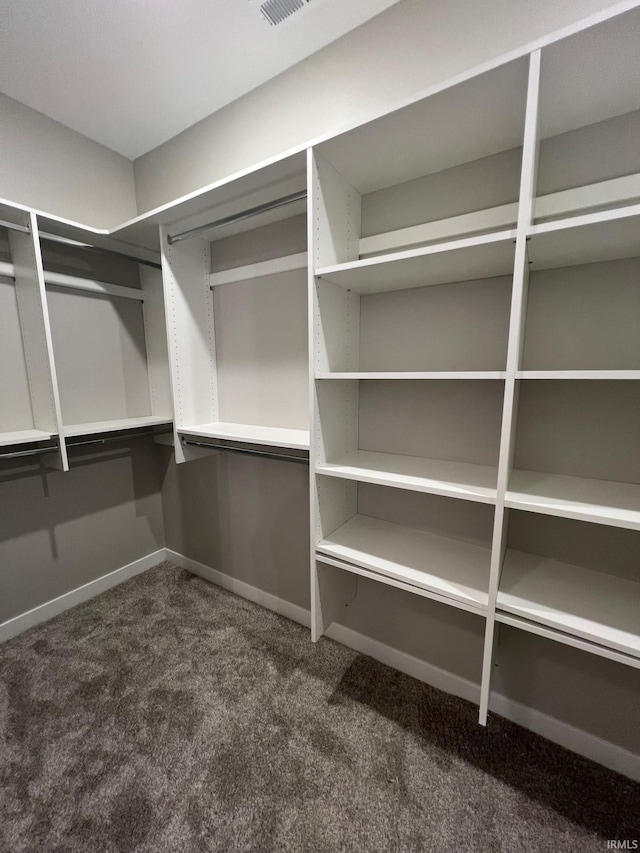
(236, 304)
(510, 253)
(110, 344)
(401, 338)
(29, 400)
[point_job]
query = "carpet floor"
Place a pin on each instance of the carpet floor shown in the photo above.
(170, 715)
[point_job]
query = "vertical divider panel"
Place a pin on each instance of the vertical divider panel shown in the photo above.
(155, 332)
(333, 217)
(36, 335)
(190, 336)
(514, 354)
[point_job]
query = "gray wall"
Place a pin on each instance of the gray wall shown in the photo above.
(59, 531)
(247, 517)
(50, 167)
(396, 55)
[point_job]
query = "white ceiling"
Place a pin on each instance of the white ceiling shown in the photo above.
(133, 73)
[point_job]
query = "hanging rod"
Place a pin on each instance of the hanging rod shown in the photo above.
(36, 451)
(32, 452)
(266, 454)
(24, 229)
(78, 244)
(74, 282)
(89, 247)
(237, 217)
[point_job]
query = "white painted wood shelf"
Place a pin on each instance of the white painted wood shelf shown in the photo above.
(474, 258)
(24, 436)
(596, 606)
(433, 476)
(73, 430)
(603, 236)
(295, 439)
(433, 374)
(578, 374)
(264, 269)
(599, 501)
(558, 636)
(449, 568)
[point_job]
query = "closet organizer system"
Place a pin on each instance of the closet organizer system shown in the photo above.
(469, 398)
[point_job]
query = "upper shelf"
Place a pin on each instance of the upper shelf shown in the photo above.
(602, 236)
(578, 374)
(97, 427)
(23, 436)
(435, 476)
(599, 501)
(598, 607)
(261, 270)
(265, 182)
(470, 259)
(429, 374)
(295, 439)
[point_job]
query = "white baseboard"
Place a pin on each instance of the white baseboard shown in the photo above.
(577, 740)
(404, 662)
(46, 611)
(243, 589)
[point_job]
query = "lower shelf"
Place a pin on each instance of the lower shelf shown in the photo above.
(435, 476)
(599, 501)
(566, 639)
(23, 436)
(599, 607)
(296, 439)
(73, 430)
(449, 568)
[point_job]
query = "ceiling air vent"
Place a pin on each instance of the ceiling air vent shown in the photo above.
(277, 11)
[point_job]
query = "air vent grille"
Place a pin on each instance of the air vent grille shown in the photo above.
(277, 11)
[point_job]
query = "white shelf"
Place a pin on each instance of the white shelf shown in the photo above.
(578, 374)
(295, 439)
(599, 501)
(599, 607)
(602, 236)
(23, 436)
(471, 259)
(566, 639)
(434, 476)
(433, 374)
(264, 269)
(457, 570)
(73, 430)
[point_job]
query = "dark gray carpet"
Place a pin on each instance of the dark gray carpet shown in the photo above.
(169, 715)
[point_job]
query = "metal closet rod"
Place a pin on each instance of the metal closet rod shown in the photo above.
(37, 451)
(68, 241)
(237, 217)
(267, 454)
